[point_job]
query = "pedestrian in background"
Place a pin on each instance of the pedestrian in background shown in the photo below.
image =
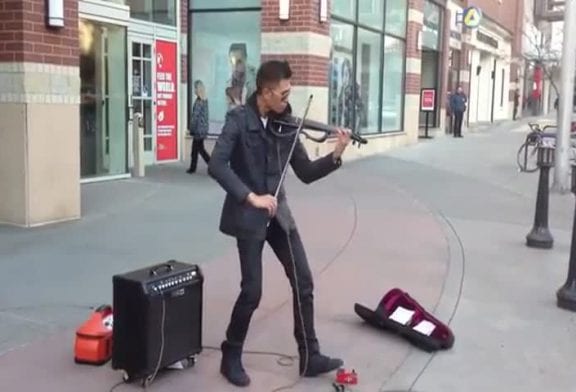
(458, 102)
(199, 126)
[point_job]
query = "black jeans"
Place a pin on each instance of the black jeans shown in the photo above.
(250, 252)
(458, 117)
(198, 148)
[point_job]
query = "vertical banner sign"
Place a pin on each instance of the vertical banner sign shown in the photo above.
(166, 102)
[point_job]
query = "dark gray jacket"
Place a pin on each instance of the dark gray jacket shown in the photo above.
(199, 119)
(245, 159)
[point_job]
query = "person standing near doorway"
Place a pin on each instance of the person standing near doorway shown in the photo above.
(199, 126)
(458, 102)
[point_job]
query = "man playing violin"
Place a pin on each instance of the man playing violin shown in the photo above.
(247, 161)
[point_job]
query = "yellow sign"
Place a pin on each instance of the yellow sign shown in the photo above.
(472, 17)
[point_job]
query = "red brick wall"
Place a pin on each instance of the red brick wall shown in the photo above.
(24, 36)
(508, 14)
(304, 16)
(413, 83)
(444, 57)
(412, 79)
(306, 70)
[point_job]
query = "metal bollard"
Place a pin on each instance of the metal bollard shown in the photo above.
(540, 236)
(566, 295)
(138, 146)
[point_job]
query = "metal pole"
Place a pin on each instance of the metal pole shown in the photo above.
(540, 236)
(566, 295)
(561, 182)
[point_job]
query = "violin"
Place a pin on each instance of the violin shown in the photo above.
(294, 123)
(298, 124)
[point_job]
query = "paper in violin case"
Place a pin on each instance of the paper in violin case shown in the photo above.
(401, 314)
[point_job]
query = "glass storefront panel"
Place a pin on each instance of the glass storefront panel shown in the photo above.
(371, 13)
(368, 78)
(393, 84)
(103, 136)
(341, 78)
(211, 4)
(431, 28)
(142, 92)
(157, 11)
(344, 8)
(396, 17)
(367, 66)
(225, 57)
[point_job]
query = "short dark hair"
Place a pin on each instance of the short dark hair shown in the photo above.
(198, 83)
(272, 72)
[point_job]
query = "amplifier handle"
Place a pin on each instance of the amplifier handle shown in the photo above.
(154, 271)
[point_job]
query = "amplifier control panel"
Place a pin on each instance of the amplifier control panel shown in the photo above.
(172, 282)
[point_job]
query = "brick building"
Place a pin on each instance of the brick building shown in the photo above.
(73, 95)
(487, 59)
(69, 93)
(360, 62)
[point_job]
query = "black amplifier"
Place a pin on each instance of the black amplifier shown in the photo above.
(157, 318)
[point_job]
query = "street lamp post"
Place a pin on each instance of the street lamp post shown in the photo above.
(561, 181)
(566, 295)
(540, 236)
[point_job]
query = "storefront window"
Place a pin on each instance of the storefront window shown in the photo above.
(212, 4)
(344, 8)
(392, 84)
(367, 66)
(342, 99)
(396, 17)
(431, 28)
(368, 78)
(103, 128)
(157, 11)
(371, 13)
(225, 57)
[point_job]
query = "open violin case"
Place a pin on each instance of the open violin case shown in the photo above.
(401, 314)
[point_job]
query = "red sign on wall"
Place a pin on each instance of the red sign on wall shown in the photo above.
(166, 101)
(427, 100)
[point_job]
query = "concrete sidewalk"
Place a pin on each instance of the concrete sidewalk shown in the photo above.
(445, 219)
(363, 237)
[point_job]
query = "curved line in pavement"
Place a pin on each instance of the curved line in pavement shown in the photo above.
(348, 240)
(332, 260)
(436, 213)
(460, 289)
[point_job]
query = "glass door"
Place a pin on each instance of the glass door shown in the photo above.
(141, 68)
(103, 135)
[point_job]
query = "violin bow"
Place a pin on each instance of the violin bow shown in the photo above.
(297, 134)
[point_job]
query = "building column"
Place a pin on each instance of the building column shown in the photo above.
(39, 108)
(305, 43)
(413, 68)
(445, 67)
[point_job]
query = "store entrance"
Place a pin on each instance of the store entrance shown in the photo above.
(141, 69)
(103, 99)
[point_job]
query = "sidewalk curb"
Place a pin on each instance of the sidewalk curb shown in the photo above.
(407, 374)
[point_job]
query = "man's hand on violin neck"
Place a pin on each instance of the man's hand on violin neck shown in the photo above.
(343, 136)
(265, 202)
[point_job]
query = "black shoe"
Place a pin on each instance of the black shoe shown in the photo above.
(191, 171)
(318, 364)
(231, 365)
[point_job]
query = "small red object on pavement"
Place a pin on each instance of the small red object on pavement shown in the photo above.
(93, 344)
(346, 378)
